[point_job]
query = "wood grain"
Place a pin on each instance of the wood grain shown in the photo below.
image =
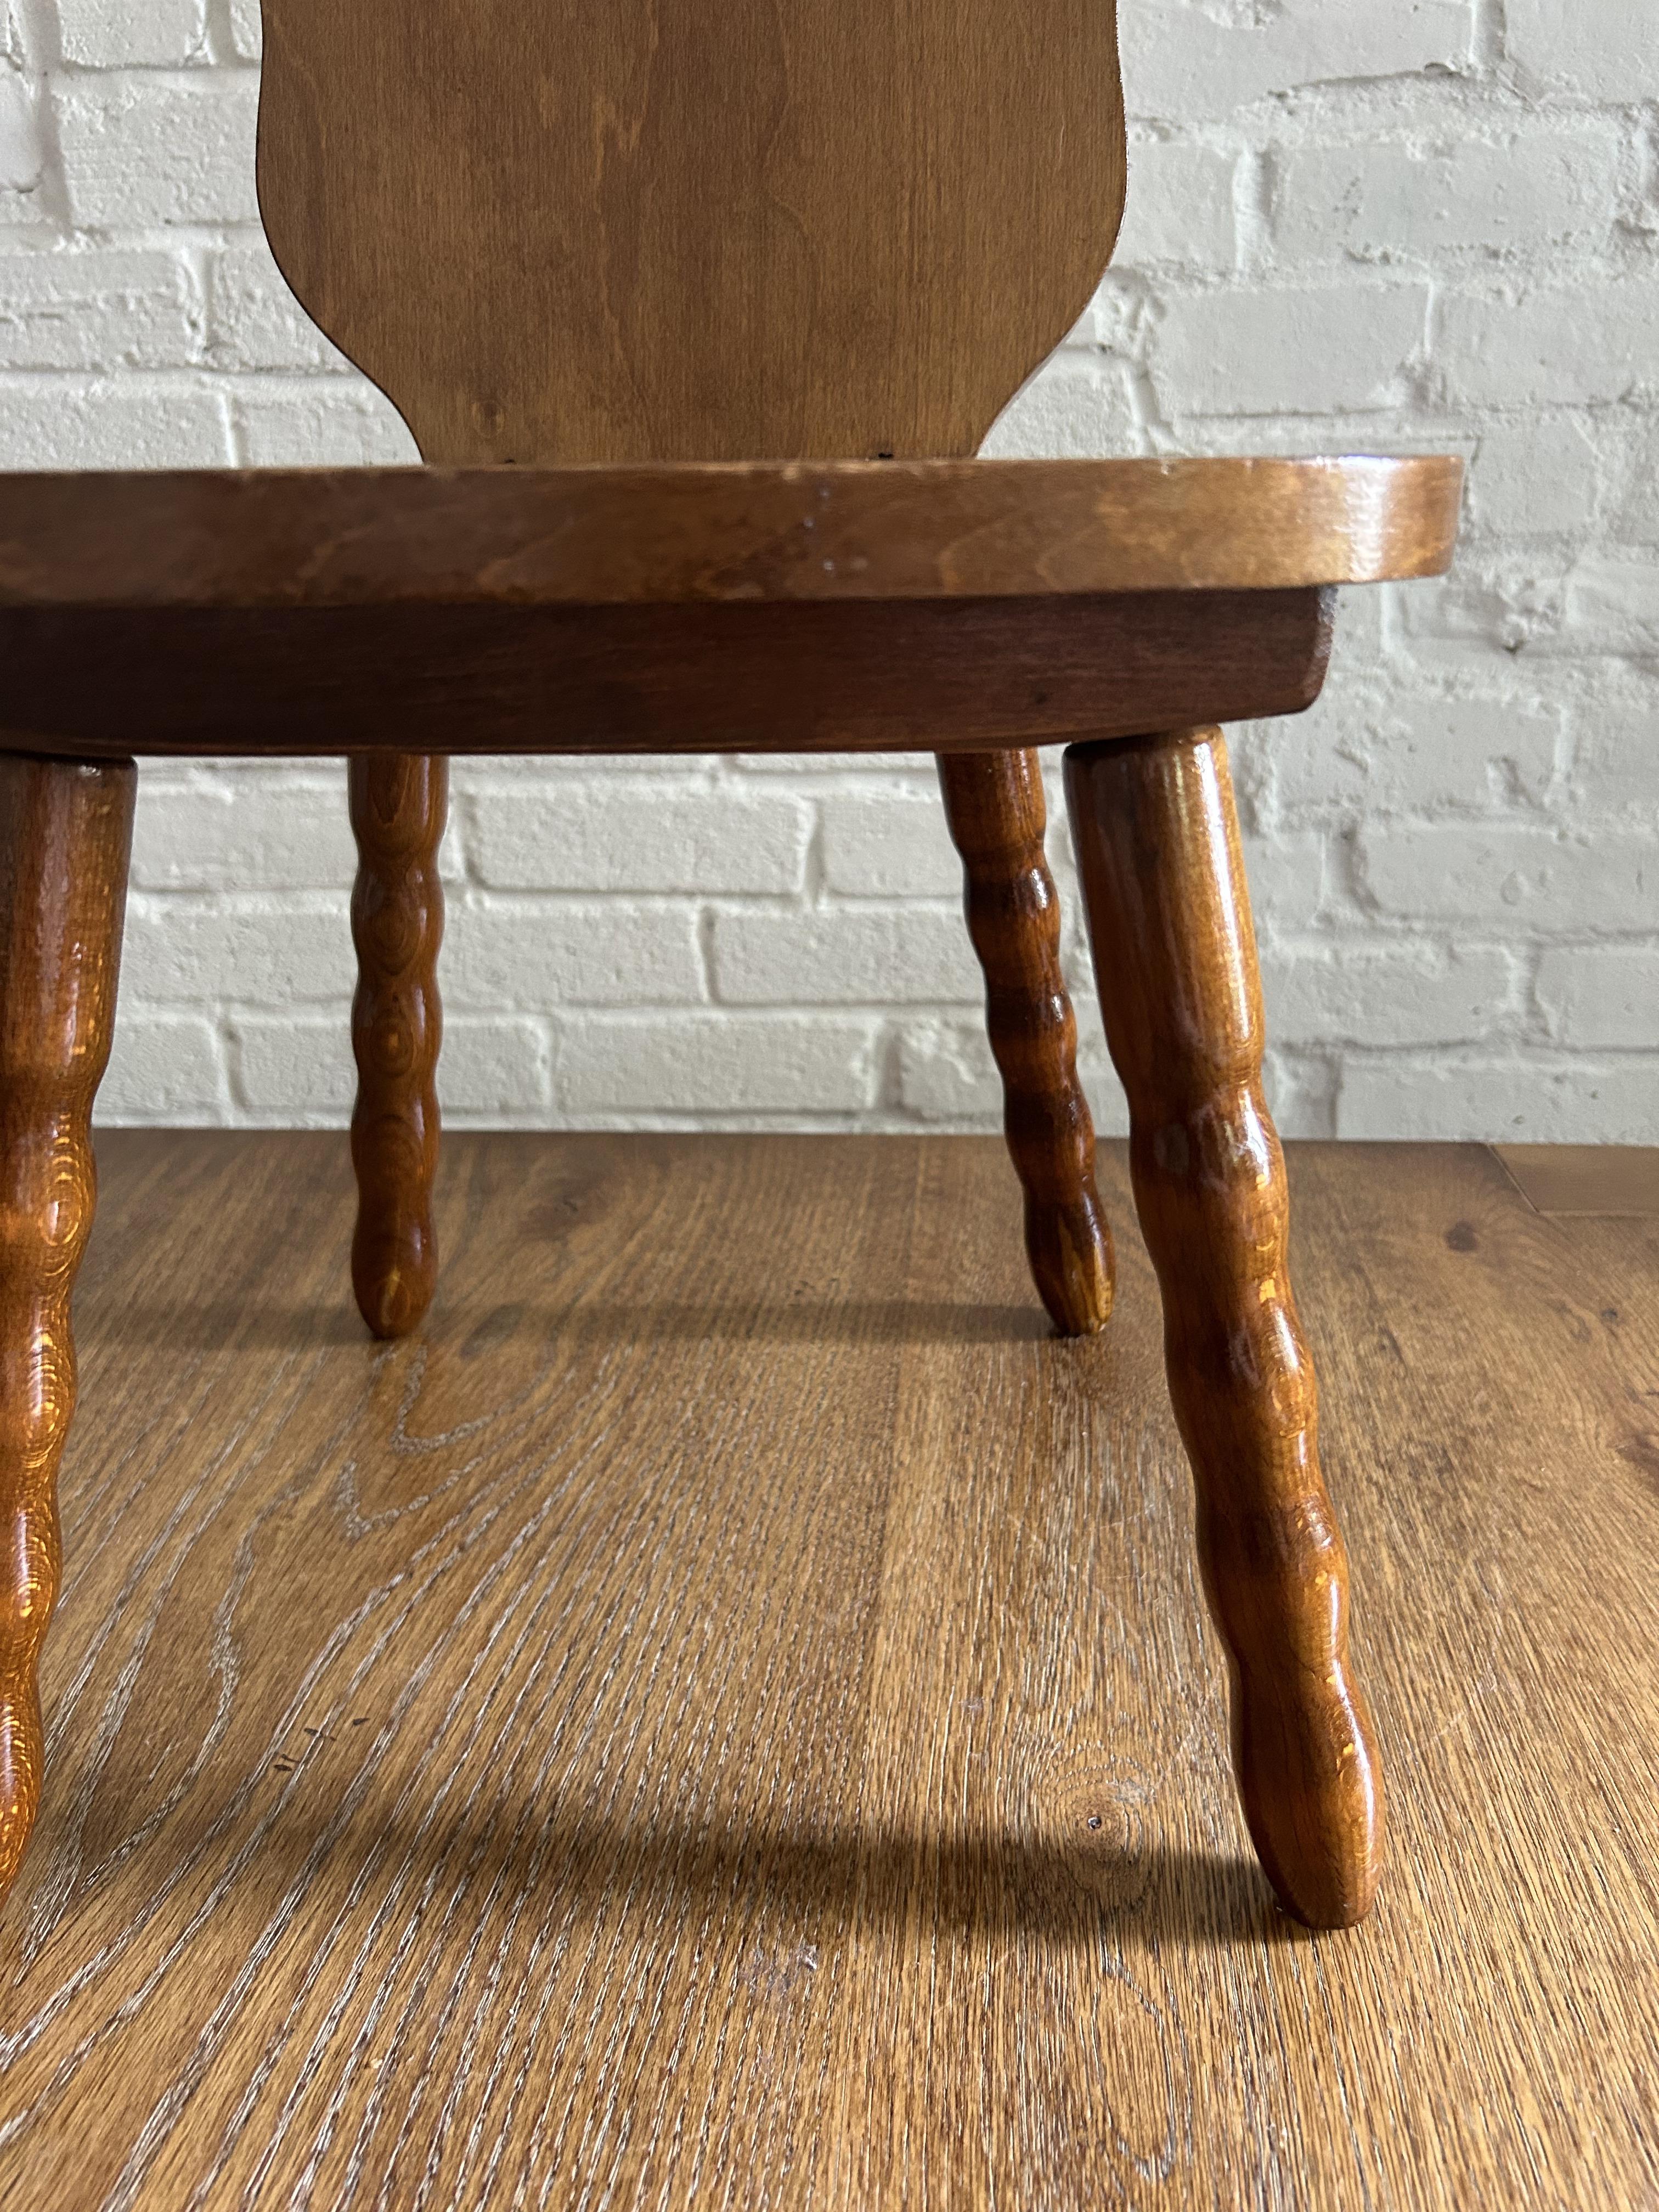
(729, 1718)
(65, 833)
(691, 233)
(994, 806)
(663, 536)
(955, 675)
(398, 802)
(1158, 845)
(1589, 1179)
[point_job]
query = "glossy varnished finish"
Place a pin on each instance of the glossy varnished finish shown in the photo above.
(726, 1715)
(1158, 845)
(597, 536)
(994, 804)
(398, 808)
(690, 234)
(65, 832)
(941, 675)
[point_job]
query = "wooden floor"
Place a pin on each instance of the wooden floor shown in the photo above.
(728, 1719)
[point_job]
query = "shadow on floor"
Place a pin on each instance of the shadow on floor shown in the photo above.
(796, 1884)
(248, 1325)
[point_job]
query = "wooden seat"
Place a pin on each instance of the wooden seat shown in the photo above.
(600, 260)
(945, 604)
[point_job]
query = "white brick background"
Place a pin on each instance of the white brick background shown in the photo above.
(1404, 224)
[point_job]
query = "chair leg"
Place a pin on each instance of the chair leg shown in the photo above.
(994, 804)
(65, 832)
(398, 802)
(1174, 956)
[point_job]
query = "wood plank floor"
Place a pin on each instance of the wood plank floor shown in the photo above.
(727, 1718)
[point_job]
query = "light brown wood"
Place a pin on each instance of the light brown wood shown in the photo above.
(1588, 1179)
(598, 233)
(665, 535)
(729, 1718)
(398, 805)
(1158, 846)
(955, 675)
(994, 806)
(65, 832)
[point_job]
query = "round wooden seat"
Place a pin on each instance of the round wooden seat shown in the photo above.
(604, 535)
(781, 606)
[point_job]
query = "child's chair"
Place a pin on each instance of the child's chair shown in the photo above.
(698, 310)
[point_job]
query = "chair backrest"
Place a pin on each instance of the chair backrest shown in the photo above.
(574, 230)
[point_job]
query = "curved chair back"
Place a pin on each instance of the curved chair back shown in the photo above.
(582, 230)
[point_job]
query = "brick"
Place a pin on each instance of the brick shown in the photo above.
(1513, 876)
(1593, 52)
(1473, 624)
(239, 950)
(843, 956)
(242, 835)
(254, 321)
(1319, 994)
(50, 425)
(1635, 518)
(20, 154)
(1253, 352)
(1613, 607)
(122, 33)
(97, 310)
(1614, 767)
(888, 845)
(139, 150)
(562, 835)
(334, 422)
(1078, 405)
(946, 1075)
(1603, 995)
(1387, 752)
(1300, 1089)
(294, 1073)
(592, 953)
(246, 28)
(1391, 202)
(1287, 876)
(165, 1068)
(1184, 60)
(1505, 1101)
(1527, 478)
(720, 1065)
(491, 1069)
(812, 768)
(1179, 209)
(1577, 345)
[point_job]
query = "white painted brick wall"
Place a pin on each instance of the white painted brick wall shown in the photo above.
(1403, 224)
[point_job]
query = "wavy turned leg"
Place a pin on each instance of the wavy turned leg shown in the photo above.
(399, 802)
(994, 804)
(1175, 953)
(65, 831)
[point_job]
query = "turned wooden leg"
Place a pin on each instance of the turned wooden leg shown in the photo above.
(399, 801)
(994, 804)
(65, 832)
(1174, 957)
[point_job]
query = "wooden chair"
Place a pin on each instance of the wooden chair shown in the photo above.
(696, 312)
